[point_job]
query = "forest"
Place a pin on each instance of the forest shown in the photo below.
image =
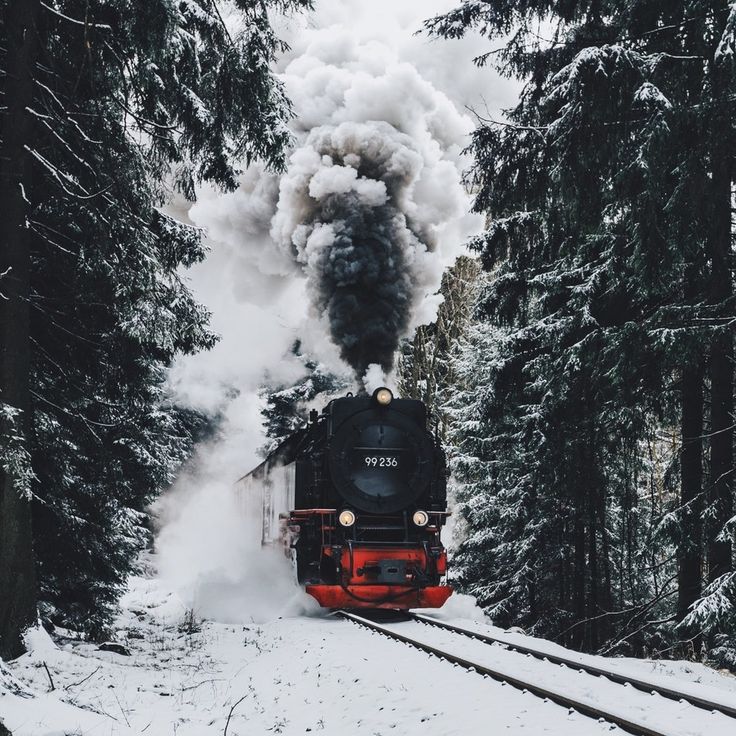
(580, 367)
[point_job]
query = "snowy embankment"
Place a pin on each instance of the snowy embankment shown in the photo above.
(290, 675)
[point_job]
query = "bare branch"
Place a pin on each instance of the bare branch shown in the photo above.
(230, 714)
(84, 23)
(77, 684)
(49, 676)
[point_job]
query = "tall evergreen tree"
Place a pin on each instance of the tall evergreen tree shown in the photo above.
(609, 190)
(17, 574)
(127, 96)
(286, 405)
(425, 368)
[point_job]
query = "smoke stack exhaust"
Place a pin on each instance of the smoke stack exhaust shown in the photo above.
(342, 214)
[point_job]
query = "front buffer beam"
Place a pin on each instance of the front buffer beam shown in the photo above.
(400, 597)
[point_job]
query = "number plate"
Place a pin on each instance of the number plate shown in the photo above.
(375, 460)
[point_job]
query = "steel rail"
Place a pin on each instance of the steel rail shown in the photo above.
(616, 677)
(586, 709)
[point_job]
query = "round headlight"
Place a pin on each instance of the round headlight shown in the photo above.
(383, 396)
(346, 518)
(420, 518)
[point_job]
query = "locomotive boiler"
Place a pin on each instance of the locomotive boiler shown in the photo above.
(358, 497)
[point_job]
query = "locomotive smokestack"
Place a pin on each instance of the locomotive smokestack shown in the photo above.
(342, 213)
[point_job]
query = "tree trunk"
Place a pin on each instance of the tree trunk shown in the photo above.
(607, 596)
(579, 569)
(17, 573)
(721, 348)
(593, 600)
(690, 552)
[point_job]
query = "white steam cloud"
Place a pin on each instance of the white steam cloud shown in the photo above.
(346, 214)
(379, 135)
(372, 205)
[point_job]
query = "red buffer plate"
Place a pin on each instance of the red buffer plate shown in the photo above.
(379, 596)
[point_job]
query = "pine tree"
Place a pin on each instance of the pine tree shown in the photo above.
(286, 406)
(424, 365)
(130, 98)
(609, 191)
(17, 574)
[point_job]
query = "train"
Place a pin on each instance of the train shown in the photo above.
(357, 497)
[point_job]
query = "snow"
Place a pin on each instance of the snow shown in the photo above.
(675, 718)
(648, 94)
(311, 674)
(727, 44)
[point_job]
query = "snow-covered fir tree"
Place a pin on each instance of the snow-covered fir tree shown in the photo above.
(516, 504)
(287, 406)
(609, 193)
(424, 366)
(125, 98)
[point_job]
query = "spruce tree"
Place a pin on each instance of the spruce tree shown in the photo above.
(130, 99)
(17, 574)
(425, 361)
(608, 188)
(285, 407)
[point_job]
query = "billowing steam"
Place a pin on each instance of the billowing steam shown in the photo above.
(342, 214)
(371, 191)
(371, 208)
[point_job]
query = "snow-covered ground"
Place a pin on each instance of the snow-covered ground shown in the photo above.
(304, 673)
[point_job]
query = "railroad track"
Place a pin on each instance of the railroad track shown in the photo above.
(589, 709)
(643, 685)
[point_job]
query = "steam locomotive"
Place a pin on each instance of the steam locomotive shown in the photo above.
(358, 499)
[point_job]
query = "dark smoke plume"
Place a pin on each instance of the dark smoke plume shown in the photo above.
(364, 283)
(342, 214)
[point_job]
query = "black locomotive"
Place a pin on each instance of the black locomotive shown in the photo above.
(365, 485)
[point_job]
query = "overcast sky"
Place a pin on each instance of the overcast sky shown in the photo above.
(447, 64)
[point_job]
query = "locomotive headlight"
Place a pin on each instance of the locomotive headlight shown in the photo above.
(346, 518)
(420, 518)
(383, 396)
